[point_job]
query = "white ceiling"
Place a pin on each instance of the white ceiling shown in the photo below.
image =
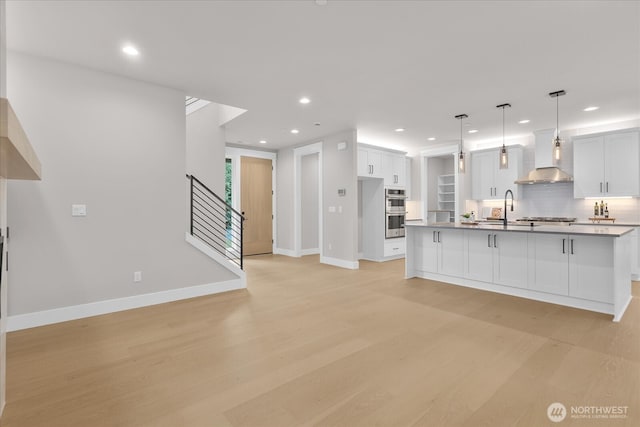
(370, 65)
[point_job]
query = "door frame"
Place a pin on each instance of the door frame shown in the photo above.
(234, 154)
(298, 153)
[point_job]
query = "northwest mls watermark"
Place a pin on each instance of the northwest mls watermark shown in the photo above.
(557, 412)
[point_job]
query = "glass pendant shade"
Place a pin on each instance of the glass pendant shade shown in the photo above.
(557, 150)
(461, 162)
(504, 158)
(557, 142)
(461, 157)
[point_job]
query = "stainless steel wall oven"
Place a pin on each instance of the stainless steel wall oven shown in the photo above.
(395, 211)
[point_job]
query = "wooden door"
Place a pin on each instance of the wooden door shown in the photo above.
(256, 203)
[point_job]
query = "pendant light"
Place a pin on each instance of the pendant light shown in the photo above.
(557, 149)
(461, 159)
(504, 156)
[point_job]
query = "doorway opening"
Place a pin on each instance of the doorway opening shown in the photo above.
(440, 184)
(308, 207)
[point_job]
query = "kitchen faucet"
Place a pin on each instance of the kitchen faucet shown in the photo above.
(505, 205)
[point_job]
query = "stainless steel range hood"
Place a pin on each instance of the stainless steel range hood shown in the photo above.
(545, 172)
(548, 175)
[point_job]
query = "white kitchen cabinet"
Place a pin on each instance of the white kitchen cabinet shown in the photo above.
(443, 251)
(548, 263)
(488, 181)
(369, 162)
(483, 166)
(480, 255)
(591, 268)
(510, 259)
(498, 257)
(607, 164)
(394, 247)
(395, 170)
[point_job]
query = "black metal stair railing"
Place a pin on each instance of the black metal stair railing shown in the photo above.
(215, 222)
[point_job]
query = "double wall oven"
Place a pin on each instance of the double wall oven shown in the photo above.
(395, 211)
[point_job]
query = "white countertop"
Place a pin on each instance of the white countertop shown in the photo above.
(609, 230)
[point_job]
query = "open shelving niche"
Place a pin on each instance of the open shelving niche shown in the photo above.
(446, 198)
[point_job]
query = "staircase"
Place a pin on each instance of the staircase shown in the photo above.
(215, 227)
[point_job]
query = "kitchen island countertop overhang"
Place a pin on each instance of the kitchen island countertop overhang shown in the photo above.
(581, 266)
(580, 229)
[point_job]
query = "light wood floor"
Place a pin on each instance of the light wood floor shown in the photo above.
(310, 344)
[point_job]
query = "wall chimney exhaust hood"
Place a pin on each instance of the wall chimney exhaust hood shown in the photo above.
(545, 172)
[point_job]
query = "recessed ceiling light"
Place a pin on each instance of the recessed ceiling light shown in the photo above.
(130, 50)
(295, 131)
(432, 138)
(591, 108)
(400, 130)
(473, 131)
(304, 100)
(262, 141)
(522, 122)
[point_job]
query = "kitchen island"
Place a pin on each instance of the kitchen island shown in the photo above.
(582, 266)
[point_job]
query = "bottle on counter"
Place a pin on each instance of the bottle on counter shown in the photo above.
(606, 211)
(596, 210)
(601, 207)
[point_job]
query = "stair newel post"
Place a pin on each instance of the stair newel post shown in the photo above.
(241, 241)
(191, 206)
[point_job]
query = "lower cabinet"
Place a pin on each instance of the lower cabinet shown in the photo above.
(443, 251)
(548, 268)
(497, 257)
(591, 268)
(578, 266)
(394, 247)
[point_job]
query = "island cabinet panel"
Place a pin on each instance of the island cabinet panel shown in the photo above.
(548, 263)
(439, 251)
(510, 259)
(451, 252)
(497, 257)
(479, 256)
(591, 268)
(430, 251)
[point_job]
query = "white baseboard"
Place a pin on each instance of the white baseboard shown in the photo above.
(63, 314)
(312, 251)
(285, 252)
(351, 265)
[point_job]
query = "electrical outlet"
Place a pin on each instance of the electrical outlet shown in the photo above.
(137, 276)
(330, 246)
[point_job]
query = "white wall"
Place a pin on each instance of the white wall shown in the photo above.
(118, 146)
(206, 147)
(310, 202)
(340, 229)
(284, 200)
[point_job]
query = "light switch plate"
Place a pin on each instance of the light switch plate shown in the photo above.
(78, 210)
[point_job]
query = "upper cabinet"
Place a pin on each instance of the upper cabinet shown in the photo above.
(607, 164)
(369, 162)
(488, 181)
(394, 167)
(376, 163)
